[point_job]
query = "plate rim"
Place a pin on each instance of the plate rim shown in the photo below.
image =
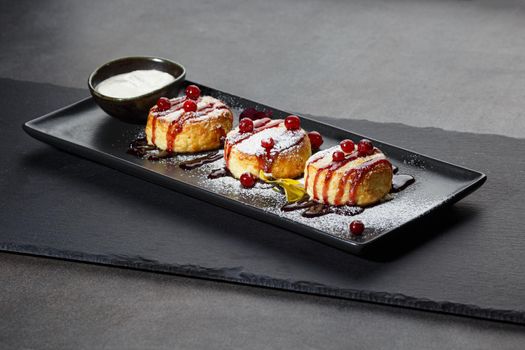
(353, 246)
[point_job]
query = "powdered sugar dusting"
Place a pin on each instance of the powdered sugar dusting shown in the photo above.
(324, 158)
(203, 103)
(402, 207)
(216, 113)
(321, 154)
(175, 115)
(282, 137)
(396, 209)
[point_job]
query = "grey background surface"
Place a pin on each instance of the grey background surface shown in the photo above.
(457, 65)
(452, 64)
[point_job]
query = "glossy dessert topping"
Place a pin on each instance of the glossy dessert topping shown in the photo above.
(184, 110)
(353, 165)
(265, 138)
(135, 83)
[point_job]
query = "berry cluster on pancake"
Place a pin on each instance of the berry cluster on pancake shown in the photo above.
(348, 174)
(187, 124)
(275, 146)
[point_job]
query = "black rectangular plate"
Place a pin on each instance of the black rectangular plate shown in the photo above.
(84, 129)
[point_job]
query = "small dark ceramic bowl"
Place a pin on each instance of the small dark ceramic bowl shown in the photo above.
(135, 109)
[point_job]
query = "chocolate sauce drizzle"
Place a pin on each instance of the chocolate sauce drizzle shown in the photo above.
(316, 209)
(267, 158)
(218, 173)
(301, 204)
(142, 149)
(400, 182)
(198, 162)
(224, 172)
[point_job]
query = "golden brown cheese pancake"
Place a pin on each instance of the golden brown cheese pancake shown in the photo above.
(176, 130)
(244, 152)
(355, 180)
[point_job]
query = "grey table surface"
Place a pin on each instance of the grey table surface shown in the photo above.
(458, 65)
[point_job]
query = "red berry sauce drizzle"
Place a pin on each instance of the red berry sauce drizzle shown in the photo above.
(313, 207)
(253, 122)
(258, 122)
(189, 113)
(187, 107)
(316, 209)
(270, 152)
(340, 159)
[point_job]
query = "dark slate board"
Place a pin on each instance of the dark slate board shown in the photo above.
(465, 260)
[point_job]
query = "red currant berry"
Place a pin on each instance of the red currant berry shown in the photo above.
(163, 104)
(247, 180)
(292, 122)
(357, 227)
(365, 147)
(267, 143)
(193, 92)
(338, 156)
(189, 106)
(246, 125)
(315, 139)
(347, 146)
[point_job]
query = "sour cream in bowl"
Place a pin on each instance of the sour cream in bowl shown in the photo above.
(128, 87)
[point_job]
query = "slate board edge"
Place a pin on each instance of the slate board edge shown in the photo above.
(245, 278)
(235, 275)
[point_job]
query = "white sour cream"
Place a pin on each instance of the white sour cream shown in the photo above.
(133, 84)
